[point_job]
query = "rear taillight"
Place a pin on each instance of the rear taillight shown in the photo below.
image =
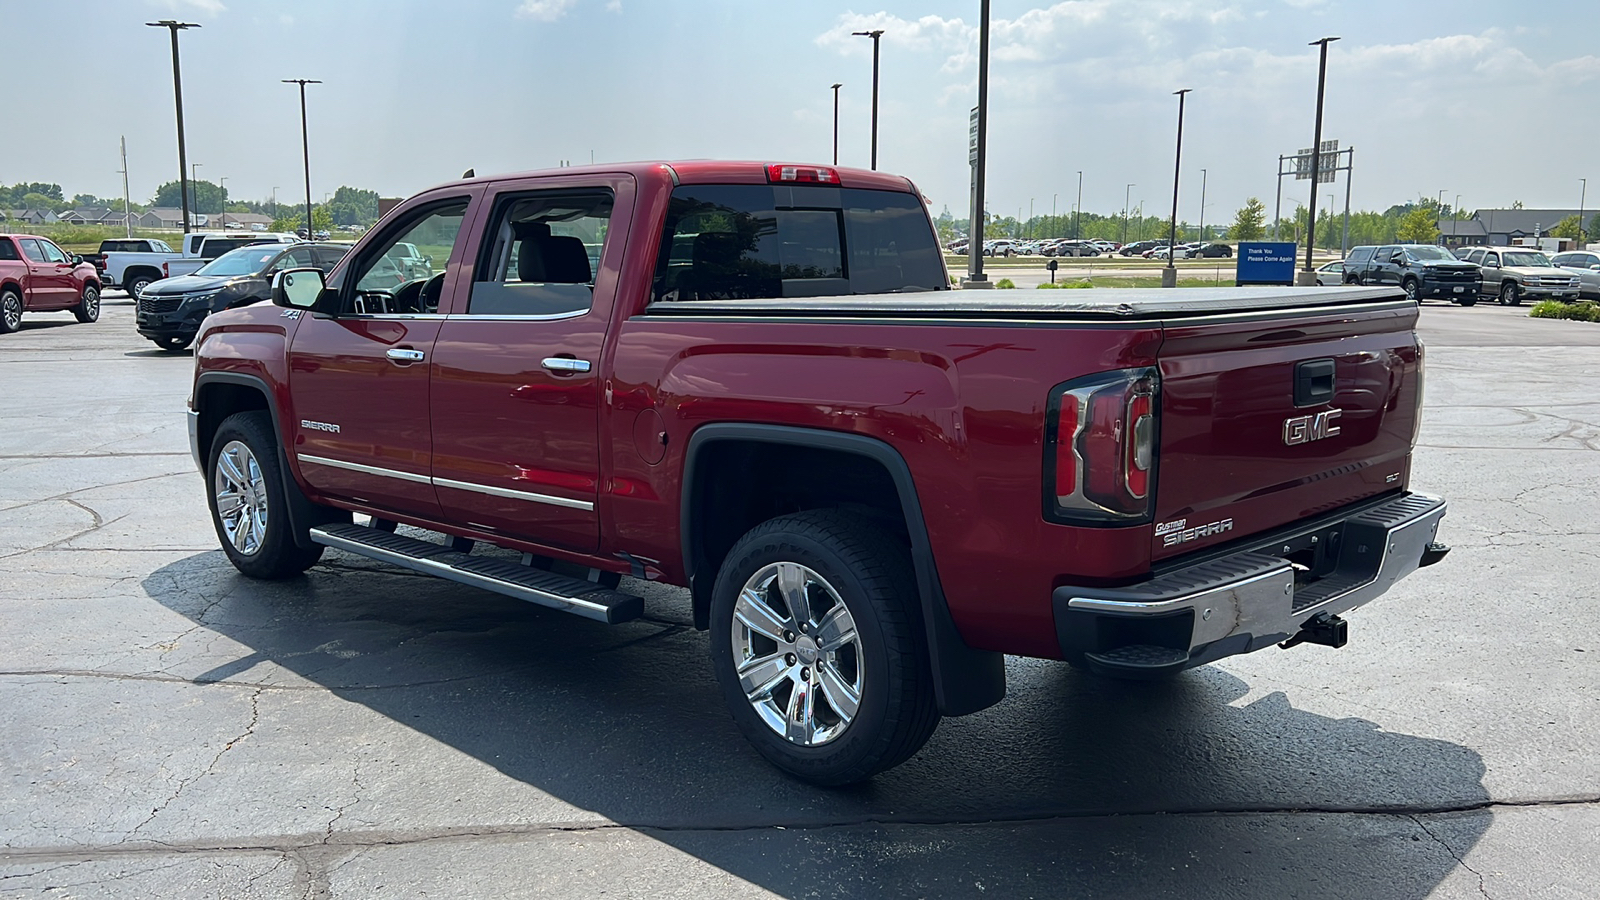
(779, 172)
(165, 272)
(1100, 447)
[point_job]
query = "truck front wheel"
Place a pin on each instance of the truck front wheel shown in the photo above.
(1510, 294)
(1413, 290)
(248, 504)
(818, 648)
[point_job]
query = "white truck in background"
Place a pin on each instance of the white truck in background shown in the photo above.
(132, 270)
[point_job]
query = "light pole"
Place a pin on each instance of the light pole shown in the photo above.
(305, 146)
(274, 201)
(1202, 228)
(836, 86)
(1053, 198)
(1077, 211)
(1169, 276)
(1308, 277)
(1127, 196)
(875, 35)
(177, 92)
(975, 276)
(1582, 196)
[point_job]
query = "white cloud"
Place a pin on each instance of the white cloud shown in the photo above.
(544, 10)
(212, 7)
(614, 6)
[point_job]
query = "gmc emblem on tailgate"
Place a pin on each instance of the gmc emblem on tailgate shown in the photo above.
(1305, 429)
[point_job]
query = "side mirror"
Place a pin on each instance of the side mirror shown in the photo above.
(77, 260)
(297, 288)
(1490, 264)
(1596, 267)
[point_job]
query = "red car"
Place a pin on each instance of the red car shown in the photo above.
(38, 276)
(754, 381)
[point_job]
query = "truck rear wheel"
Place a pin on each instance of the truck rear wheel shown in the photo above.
(10, 310)
(248, 506)
(818, 648)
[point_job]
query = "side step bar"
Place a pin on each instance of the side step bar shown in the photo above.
(562, 592)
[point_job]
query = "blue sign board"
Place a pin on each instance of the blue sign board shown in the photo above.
(1265, 262)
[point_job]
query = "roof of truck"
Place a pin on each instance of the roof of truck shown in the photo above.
(708, 171)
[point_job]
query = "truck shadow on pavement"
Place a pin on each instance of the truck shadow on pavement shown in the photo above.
(1072, 785)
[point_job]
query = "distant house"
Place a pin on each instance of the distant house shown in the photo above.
(1502, 227)
(86, 215)
(32, 216)
(168, 217)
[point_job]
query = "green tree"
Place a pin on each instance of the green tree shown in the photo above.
(1566, 228)
(1419, 226)
(293, 218)
(353, 206)
(206, 196)
(1247, 221)
(12, 197)
(36, 200)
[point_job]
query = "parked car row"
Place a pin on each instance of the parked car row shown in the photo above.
(1044, 247)
(1505, 274)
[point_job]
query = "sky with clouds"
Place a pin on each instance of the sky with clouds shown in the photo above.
(1488, 100)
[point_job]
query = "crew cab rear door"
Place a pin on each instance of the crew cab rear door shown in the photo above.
(359, 376)
(1268, 418)
(517, 373)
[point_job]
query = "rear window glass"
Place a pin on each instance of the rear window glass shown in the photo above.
(124, 246)
(743, 242)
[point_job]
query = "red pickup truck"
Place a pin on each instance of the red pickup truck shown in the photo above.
(38, 276)
(754, 381)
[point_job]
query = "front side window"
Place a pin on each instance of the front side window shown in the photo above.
(541, 254)
(384, 284)
(757, 241)
(53, 253)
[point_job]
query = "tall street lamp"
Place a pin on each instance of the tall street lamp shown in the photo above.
(174, 27)
(305, 146)
(836, 86)
(975, 276)
(1308, 277)
(1127, 196)
(1202, 227)
(1169, 276)
(1077, 211)
(1582, 196)
(875, 35)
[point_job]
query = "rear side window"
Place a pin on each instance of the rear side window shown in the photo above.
(215, 247)
(325, 258)
(8, 250)
(744, 242)
(542, 254)
(1359, 255)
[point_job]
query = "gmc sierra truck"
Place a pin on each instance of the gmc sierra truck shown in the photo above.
(754, 381)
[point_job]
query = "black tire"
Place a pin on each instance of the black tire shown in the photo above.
(870, 573)
(1413, 290)
(136, 283)
(1468, 301)
(10, 310)
(1510, 294)
(88, 308)
(272, 553)
(172, 344)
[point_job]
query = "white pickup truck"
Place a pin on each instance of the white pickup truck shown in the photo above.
(132, 270)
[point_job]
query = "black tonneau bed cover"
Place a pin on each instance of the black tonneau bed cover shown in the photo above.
(1113, 303)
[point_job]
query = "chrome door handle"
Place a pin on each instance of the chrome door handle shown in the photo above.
(402, 355)
(565, 364)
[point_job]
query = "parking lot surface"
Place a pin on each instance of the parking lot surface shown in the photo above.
(171, 729)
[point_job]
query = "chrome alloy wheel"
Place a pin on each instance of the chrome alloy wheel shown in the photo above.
(11, 309)
(798, 654)
(241, 502)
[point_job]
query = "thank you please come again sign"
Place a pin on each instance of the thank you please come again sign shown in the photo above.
(1265, 262)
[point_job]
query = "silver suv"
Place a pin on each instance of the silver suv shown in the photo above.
(1511, 273)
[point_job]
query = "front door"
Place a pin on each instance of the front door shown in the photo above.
(49, 283)
(359, 378)
(516, 384)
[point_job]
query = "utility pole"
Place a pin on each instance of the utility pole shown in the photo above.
(1053, 198)
(836, 86)
(1077, 215)
(975, 276)
(127, 222)
(174, 27)
(1309, 277)
(876, 36)
(1349, 173)
(305, 147)
(1583, 195)
(1169, 275)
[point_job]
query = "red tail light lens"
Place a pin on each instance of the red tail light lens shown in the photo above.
(1101, 449)
(779, 172)
(165, 272)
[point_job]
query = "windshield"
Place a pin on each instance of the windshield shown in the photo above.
(1429, 252)
(1526, 258)
(243, 261)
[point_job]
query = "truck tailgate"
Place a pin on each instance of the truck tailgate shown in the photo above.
(1239, 455)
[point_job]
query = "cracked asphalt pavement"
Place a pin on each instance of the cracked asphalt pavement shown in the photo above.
(171, 729)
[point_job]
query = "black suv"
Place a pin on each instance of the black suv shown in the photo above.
(1421, 270)
(170, 311)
